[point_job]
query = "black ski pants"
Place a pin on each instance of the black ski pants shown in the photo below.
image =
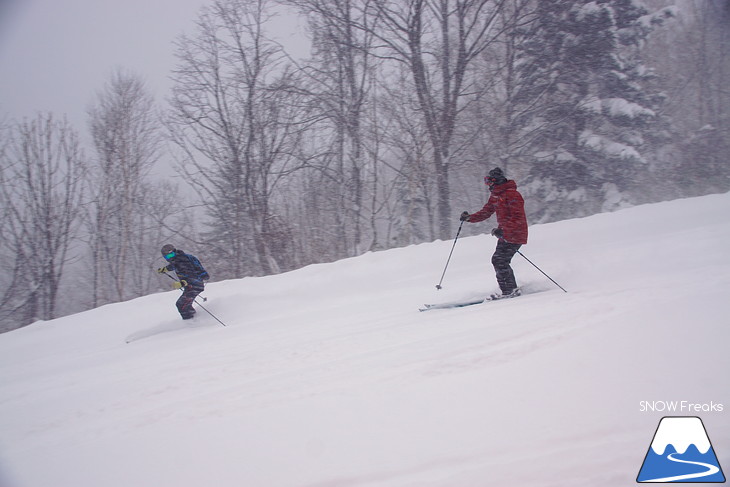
(185, 302)
(501, 260)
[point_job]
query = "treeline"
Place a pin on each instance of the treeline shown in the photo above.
(379, 139)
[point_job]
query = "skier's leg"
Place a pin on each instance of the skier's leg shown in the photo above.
(185, 303)
(501, 261)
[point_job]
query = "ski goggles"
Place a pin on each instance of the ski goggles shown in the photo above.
(488, 180)
(170, 255)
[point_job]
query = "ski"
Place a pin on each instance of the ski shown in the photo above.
(461, 304)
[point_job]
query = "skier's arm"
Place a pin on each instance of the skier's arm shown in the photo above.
(482, 214)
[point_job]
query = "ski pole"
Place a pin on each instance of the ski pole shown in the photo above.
(202, 297)
(536, 267)
(543, 273)
(211, 314)
(438, 286)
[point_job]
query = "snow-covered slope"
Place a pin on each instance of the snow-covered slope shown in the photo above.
(329, 376)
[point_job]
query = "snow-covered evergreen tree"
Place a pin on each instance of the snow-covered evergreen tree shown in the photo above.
(587, 107)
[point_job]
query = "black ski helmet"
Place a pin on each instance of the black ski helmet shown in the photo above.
(495, 177)
(167, 249)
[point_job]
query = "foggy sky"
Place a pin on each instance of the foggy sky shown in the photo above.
(55, 55)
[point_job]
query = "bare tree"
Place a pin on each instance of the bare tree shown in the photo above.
(339, 76)
(122, 230)
(408, 155)
(438, 40)
(41, 172)
(496, 112)
(237, 118)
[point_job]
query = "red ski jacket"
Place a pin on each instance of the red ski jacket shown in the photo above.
(507, 202)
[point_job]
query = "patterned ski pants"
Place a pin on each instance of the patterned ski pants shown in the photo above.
(501, 260)
(185, 302)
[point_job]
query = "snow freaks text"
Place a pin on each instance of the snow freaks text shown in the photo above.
(680, 407)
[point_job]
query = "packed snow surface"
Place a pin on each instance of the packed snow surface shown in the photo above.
(329, 375)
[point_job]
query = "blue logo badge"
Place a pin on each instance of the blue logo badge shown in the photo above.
(681, 452)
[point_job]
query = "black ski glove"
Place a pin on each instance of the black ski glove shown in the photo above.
(464, 216)
(498, 232)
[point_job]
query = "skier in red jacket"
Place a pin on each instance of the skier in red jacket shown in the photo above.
(511, 231)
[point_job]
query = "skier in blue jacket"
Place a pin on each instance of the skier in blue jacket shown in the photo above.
(191, 277)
